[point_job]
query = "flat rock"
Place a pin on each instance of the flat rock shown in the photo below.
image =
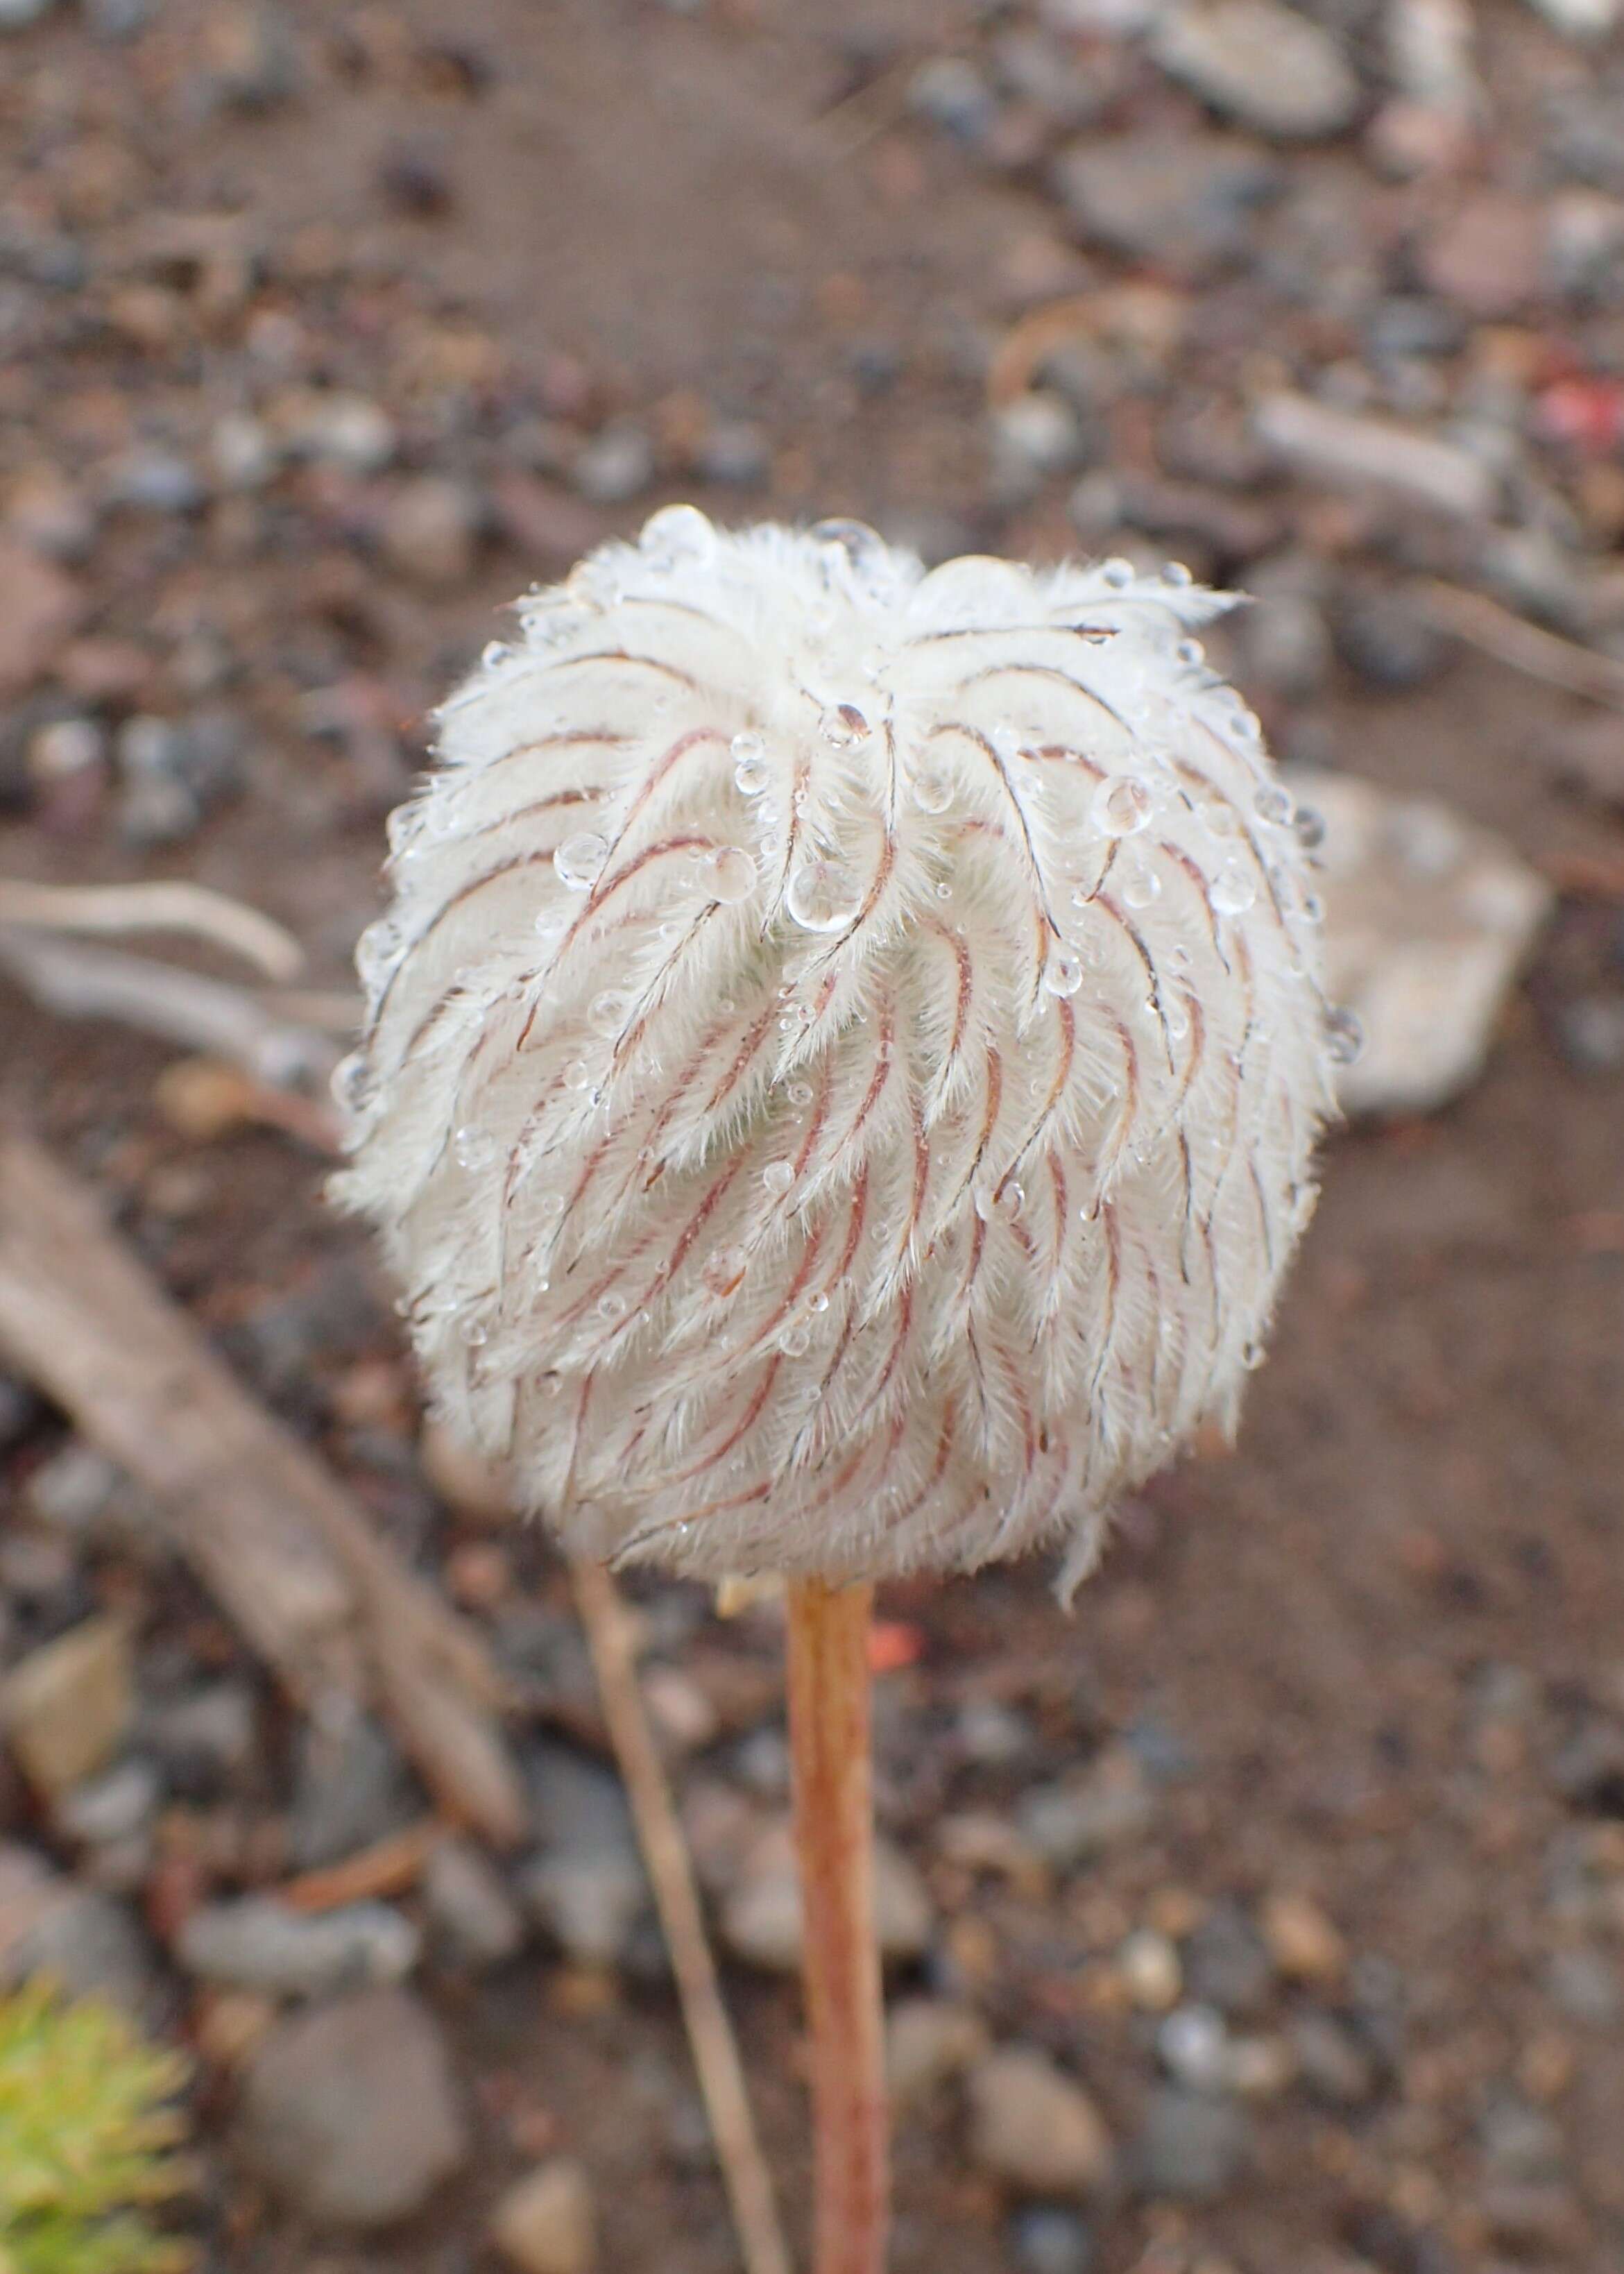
(927, 2041)
(1188, 202)
(762, 1917)
(65, 1706)
(547, 2223)
(587, 1884)
(258, 1943)
(1348, 450)
(349, 2112)
(1035, 2128)
(475, 1922)
(1428, 918)
(1262, 65)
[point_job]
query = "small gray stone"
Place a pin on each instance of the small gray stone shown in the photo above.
(1068, 1824)
(341, 430)
(112, 1806)
(1188, 201)
(950, 91)
(431, 527)
(258, 1943)
(1264, 65)
(350, 1789)
(1227, 1962)
(157, 481)
(475, 1922)
(1048, 2240)
(1036, 435)
(15, 14)
(1375, 456)
(79, 1937)
(735, 453)
(1192, 2146)
(1592, 1032)
(1519, 2141)
(1331, 2061)
(1195, 2048)
(349, 2112)
(1583, 1983)
(204, 1736)
(616, 465)
(587, 1884)
(1035, 2128)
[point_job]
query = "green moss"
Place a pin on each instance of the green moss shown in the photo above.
(86, 2141)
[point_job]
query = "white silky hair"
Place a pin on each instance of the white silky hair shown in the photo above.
(843, 1054)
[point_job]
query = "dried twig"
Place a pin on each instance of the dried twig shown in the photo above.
(272, 1533)
(1484, 624)
(180, 1006)
(716, 2055)
(391, 1866)
(192, 910)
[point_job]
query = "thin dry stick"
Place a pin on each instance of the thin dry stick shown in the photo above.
(1483, 623)
(828, 1728)
(191, 910)
(716, 2055)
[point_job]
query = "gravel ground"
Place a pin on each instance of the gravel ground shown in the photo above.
(1268, 1916)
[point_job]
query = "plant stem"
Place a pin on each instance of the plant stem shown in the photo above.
(829, 1685)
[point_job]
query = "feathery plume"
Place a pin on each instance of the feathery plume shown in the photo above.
(843, 1058)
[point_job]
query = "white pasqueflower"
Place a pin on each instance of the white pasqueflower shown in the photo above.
(843, 1057)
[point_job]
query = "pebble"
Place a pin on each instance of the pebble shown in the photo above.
(475, 1922)
(1188, 202)
(1330, 2059)
(1033, 2127)
(40, 606)
(244, 451)
(65, 1707)
(1227, 1962)
(157, 481)
(203, 1737)
(1591, 1028)
(1036, 435)
(1068, 1824)
(1192, 2146)
(586, 1885)
(761, 1918)
(15, 14)
(1046, 2239)
(1519, 2141)
(950, 91)
(1303, 1942)
(1582, 1983)
(617, 465)
(1387, 639)
(928, 2042)
(430, 532)
(1194, 2042)
(734, 453)
(79, 1937)
(1148, 1964)
(350, 1789)
(257, 1942)
(116, 1805)
(1350, 450)
(1283, 634)
(1488, 257)
(1262, 65)
(349, 2112)
(338, 429)
(547, 2223)
(1427, 920)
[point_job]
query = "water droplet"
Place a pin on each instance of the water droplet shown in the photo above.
(496, 652)
(608, 1011)
(678, 532)
(1175, 574)
(932, 789)
(800, 1093)
(473, 1331)
(729, 874)
(723, 1270)
(1063, 973)
(1345, 1037)
(375, 951)
(1006, 741)
(818, 1303)
(1191, 652)
(779, 1176)
(550, 1207)
(1140, 888)
(875, 665)
(1310, 829)
(1253, 1355)
(351, 1082)
(579, 860)
(843, 726)
(578, 1075)
(1233, 889)
(795, 1339)
(1121, 806)
(864, 547)
(474, 1147)
(612, 1304)
(823, 895)
(751, 771)
(1314, 908)
(1275, 805)
(1179, 957)
(1116, 574)
(1009, 1199)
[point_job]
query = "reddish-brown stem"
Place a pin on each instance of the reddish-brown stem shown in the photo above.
(834, 1831)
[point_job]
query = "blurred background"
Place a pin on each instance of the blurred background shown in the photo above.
(1266, 1917)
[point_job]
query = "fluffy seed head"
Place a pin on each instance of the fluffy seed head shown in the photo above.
(843, 1057)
